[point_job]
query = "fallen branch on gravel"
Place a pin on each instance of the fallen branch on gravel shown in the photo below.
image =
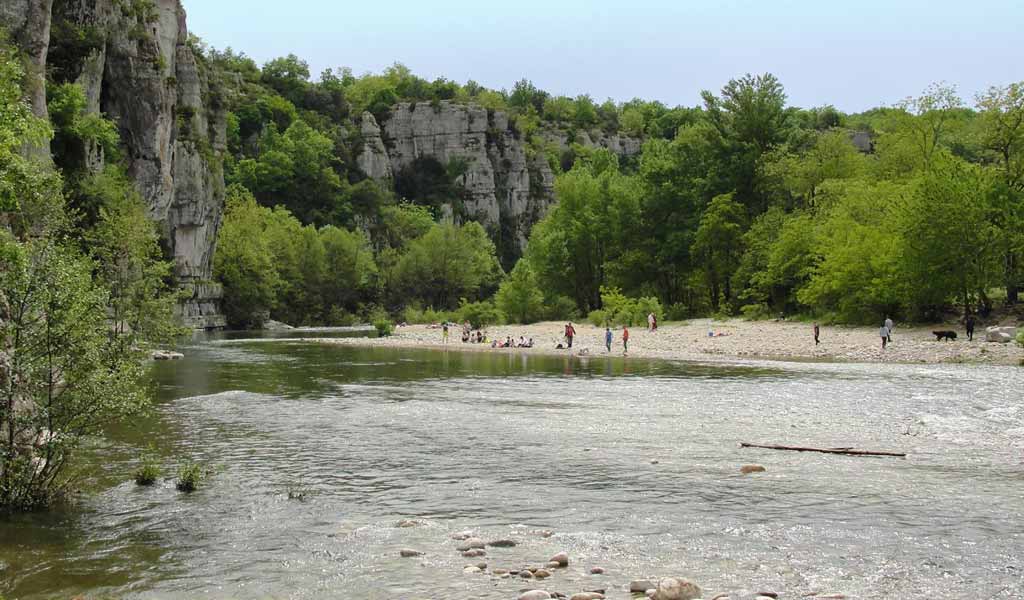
(848, 451)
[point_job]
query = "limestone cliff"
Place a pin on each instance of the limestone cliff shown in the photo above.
(508, 188)
(133, 59)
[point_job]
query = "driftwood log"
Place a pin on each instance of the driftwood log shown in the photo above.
(847, 451)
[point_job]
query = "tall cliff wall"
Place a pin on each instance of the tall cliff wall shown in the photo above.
(507, 189)
(133, 59)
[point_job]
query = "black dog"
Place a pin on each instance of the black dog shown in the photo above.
(944, 335)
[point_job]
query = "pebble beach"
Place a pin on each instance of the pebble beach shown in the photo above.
(709, 340)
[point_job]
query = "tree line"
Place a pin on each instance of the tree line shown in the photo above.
(742, 205)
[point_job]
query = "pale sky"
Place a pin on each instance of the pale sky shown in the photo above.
(854, 54)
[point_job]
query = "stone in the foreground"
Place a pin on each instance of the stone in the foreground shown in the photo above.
(535, 595)
(676, 588)
(748, 469)
(596, 571)
(502, 543)
(587, 596)
(409, 552)
(562, 558)
(471, 544)
(639, 586)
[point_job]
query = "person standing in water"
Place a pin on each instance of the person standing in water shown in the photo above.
(444, 332)
(625, 339)
(884, 332)
(608, 338)
(817, 332)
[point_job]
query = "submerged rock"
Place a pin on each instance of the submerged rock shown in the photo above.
(409, 552)
(462, 535)
(471, 544)
(542, 573)
(535, 595)
(562, 558)
(676, 588)
(587, 596)
(596, 571)
(748, 469)
(502, 543)
(474, 553)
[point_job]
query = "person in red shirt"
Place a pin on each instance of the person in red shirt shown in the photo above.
(625, 339)
(570, 332)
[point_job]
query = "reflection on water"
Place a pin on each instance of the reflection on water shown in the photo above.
(507, 444)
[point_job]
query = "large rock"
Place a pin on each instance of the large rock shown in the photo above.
(535, 595)
(676, 588)
(1000, 335)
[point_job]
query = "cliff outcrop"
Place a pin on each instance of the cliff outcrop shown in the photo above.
(134, 60)
(508, 185)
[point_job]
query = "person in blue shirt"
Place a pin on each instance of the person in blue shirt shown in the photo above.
(608, 338)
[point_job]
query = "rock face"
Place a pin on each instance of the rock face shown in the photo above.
(139, 69)
(508, 187)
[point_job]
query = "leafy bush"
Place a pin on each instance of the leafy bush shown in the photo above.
(190, 476)
(598, 318)
(519, 296)
(561, 308)
(1020, 337)
(479, 314)
(756, 312)
(384, 327)
(622, 310)
(149, 471)
(415, 315)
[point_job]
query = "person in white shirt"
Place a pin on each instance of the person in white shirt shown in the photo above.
(884, 332)
(888, 326)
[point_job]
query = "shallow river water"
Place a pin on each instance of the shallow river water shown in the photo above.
(633, 465)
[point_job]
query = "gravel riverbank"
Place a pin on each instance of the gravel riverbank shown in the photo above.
(733, 339)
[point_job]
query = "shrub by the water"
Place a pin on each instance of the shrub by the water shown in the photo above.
(1020, 337)
(383, 327)
(148, 472)
(190, 476)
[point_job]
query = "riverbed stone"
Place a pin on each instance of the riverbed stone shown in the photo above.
(542, 573)
(748, 469)
(639, 586)
(475, 552)
(471, 544)
(676, 588)
(526, 574)
(482, 566)
(505, 543)
(408, 523)
(409, 552)
(535, 595)
(471, 570)
(587, 596)
(462, 535)
(562, 558)
(596, 571)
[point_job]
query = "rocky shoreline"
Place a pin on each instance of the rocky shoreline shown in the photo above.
(708, 340)
(540, 581)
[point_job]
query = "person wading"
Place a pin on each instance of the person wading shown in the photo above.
(608, 338)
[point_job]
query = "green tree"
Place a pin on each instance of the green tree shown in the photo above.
(718, 242)
(519, 296)
(1002, 133)
(63, 379)
(950, 248)
(351, 275)
(244, 262)
(449, 262)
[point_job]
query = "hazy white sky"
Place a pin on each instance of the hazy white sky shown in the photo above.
(854, 55)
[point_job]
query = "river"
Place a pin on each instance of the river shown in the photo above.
(633, 465)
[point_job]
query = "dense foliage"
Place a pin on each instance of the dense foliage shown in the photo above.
(83, 286)
(743, 205)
